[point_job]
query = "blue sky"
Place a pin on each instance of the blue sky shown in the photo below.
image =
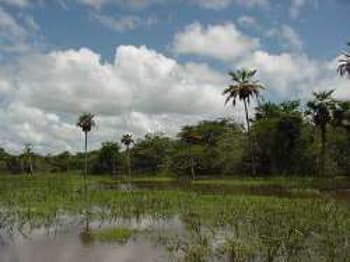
(154, 65)
(321, 24)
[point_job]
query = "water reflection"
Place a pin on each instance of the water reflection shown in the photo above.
(68, 248)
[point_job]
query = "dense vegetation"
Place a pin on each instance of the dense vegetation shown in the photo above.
(285, 139)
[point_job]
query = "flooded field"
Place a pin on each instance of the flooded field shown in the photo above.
(51, 219)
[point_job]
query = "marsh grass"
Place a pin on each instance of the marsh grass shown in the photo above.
(217, 226)
(110, 235)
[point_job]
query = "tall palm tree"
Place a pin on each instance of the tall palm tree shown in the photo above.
(344, 64)
(28, 152)
(86, 122)
(321, 109)
(127, 140)
(244, 88)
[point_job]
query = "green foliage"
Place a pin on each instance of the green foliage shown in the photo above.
(86, 122)
(153, 154)
(107, 159)
(120, 235)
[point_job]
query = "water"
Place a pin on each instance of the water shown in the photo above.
(68, 248)
(63, 242)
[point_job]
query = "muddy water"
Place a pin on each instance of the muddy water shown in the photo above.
(66, 245)
(68, 248)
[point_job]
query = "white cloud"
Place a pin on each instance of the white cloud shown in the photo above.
(125, 23)
(141, 91)
(295, 76)
(224, 42)
(287, 36)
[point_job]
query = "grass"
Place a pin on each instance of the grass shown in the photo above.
(261, 226)
(120, 235)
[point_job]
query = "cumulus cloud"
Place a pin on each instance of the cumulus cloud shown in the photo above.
(295, 76)
(224, 42)
(141, 91)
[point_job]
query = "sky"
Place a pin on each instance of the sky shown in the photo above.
(146, 66)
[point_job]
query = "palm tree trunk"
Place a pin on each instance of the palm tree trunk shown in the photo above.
(87, 223)
(86, 158)
(128, 160)
(323, 149)
(30, 165)
(252, 154)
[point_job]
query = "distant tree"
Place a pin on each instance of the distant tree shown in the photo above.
(60, 162)
(108, 157)
(278, 129)
(127, 140)
(86, 122)
(344, 64)
(244, 88)
(153, 153)
(320, 109)
(28, 153)
(341, 114)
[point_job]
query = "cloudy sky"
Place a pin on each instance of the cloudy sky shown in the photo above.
(153, 65)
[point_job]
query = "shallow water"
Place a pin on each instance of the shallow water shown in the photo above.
(68, 248)
(66, 245)
(63, 243)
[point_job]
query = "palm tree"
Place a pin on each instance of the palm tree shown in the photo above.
(243, 88)
(320, 109)
(86, 123)
(28, 152)
(127, 140)
(344, 64)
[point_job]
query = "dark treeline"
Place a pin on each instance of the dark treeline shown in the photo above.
(285, 139)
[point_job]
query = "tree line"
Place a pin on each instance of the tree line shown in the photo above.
(287, 138)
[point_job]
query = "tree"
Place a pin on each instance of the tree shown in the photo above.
(28, 152)
(320, 109)
(344, 64)
(341, 114)
(278, 129)
(153, 153)
(127, 140)
(108, 156)
(86, 123)
(243, 88)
